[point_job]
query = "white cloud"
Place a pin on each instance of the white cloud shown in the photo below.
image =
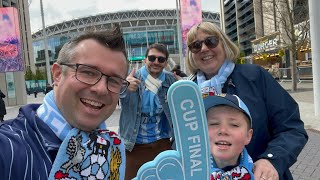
(56, 11)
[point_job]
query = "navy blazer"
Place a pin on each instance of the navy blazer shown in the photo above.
(28, 146)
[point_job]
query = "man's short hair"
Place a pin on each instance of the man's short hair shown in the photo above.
(112, 39)
(160, 47)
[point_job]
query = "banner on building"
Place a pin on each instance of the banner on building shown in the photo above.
(190, 14)
(10, 43)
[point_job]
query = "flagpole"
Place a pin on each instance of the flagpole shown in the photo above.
(44, 32)
(182, 64)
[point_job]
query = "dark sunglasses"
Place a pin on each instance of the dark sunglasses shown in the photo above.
(161, 59)
(210, 42)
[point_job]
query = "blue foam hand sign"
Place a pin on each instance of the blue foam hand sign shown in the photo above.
(191, 159)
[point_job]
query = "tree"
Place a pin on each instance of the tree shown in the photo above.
(40, 75)
(291, 18)
(241, 58)
(29, 74)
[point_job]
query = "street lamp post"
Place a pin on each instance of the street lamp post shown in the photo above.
(45, 38)
(147, 38)
(314, 14)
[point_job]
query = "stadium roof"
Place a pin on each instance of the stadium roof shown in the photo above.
(133, 20)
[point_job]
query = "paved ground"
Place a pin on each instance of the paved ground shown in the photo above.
(308, 165)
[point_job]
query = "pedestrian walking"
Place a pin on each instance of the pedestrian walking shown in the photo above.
(35, 92)
(48, 88)
(2, 106)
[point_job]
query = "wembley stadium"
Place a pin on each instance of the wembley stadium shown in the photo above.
(140, 28)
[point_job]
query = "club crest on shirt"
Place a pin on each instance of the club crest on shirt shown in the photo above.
(93, 157)
(207, 91)
(237, 173)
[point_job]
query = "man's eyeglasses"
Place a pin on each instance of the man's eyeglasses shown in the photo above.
(210, 42)
(92, 76)
(161, 59)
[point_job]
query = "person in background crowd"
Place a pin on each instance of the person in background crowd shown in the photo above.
(279, 131)
(48, 88)
(177, 70)
(35, 92)
(66, 136)
(3, 110)
(145, 121)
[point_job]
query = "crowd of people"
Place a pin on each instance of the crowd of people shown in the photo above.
(253, 122)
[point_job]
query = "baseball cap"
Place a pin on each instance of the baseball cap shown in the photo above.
(228, 100)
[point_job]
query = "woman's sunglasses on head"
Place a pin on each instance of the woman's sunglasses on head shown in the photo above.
(153, 58)
(210, 42)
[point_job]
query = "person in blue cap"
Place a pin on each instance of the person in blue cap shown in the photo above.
(230, 130)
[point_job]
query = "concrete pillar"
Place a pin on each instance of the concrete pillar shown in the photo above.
(314, 15)
(17, 95)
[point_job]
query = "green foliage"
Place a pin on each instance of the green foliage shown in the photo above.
(241, 59)
(29, 74)
(242, 54)
(40, 75)
(281, 52)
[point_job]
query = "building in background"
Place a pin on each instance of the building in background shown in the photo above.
(13, 83)
(141, 28)
(261, 29)
(238, 22)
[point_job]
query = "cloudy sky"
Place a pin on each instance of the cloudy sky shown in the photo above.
(57, 11)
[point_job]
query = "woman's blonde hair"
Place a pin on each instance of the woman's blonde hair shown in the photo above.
(231, 50)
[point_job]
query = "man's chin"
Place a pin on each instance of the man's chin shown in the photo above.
(88, 125)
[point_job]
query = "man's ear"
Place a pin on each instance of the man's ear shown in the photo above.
(56, 73)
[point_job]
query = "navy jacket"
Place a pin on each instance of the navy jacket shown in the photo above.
(278, 131)
(28, 146)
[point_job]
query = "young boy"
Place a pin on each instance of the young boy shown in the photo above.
(230, 129)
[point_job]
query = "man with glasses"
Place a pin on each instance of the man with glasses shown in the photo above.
(66, 136)
(145, 121)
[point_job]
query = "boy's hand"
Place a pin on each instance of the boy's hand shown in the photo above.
(134, 82)
(264, 170)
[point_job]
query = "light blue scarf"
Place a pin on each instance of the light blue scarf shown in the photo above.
(214, 85)
(99, 154)
(242, 171)
(150, 100)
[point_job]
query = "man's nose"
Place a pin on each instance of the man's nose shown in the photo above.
(156, 61)
(101, 87)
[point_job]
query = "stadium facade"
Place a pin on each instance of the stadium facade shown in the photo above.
(140, 27)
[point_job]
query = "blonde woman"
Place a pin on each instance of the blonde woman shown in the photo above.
(279, 133)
